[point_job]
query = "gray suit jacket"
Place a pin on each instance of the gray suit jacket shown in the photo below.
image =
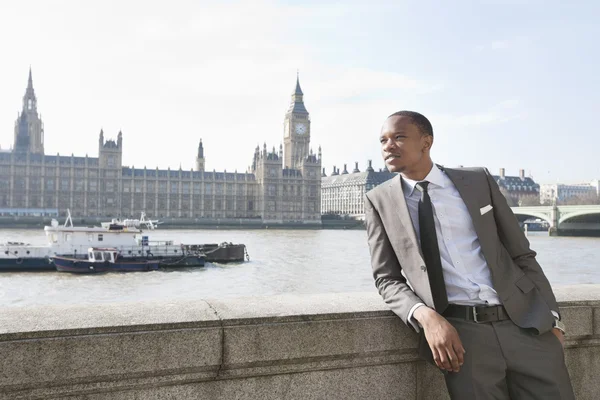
(399, 269)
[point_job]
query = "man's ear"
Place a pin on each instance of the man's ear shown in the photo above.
(427, 142)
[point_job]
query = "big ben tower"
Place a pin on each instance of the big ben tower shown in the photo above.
(29, 130)
(296, 131)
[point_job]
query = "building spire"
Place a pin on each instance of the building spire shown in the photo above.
(29, 99)
(29, 129)
(297, 104)
(298, 90)
(200, 149)
(30, 80)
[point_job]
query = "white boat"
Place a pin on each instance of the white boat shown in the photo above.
(126, 236)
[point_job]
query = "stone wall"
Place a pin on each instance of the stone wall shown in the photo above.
(332, 346)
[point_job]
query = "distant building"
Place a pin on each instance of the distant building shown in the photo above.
(280, 186)
(343, 193)
(518, 190)
(558, 192)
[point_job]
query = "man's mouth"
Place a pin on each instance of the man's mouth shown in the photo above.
(391, 156)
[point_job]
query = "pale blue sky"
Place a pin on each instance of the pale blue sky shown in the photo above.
(509, 84)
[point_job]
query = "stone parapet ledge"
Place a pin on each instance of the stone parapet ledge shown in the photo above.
(328, 346)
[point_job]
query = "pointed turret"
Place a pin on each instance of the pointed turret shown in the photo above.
(29, 99)
(200, 161)
(29, 129)
(298, 90)
(297, 104)
(200, 150)
(30, 80)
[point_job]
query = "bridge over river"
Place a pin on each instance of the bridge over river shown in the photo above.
(565, 220)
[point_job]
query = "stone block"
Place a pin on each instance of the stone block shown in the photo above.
(584, 366)
(578, 320)
(72, 319)
(587, 293)
(112, 356)
(596, 320)
(300, 340)
(290, 307)
(370, 382)
(430, 383)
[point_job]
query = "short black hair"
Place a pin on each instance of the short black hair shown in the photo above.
(418, 119)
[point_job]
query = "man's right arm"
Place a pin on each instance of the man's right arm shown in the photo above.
(442, 338)
(389, 280)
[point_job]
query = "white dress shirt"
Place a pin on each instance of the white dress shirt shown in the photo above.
(466, 273)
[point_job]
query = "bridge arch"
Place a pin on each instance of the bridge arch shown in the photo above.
(568, 216)
(536, 214)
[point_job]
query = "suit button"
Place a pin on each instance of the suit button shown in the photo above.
(423, 268)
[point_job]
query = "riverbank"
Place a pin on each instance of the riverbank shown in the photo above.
(190, 223)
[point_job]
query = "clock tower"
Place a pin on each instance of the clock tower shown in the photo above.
(296, 131)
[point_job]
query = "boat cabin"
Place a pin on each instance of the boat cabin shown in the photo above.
(96, 254)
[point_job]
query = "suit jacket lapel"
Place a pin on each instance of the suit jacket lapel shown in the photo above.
(396, 193)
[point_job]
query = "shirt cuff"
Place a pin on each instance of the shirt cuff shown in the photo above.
(556, 316)
(415, 324)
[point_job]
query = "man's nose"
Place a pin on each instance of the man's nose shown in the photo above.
(388, 145)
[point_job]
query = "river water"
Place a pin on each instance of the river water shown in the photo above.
(281, 261)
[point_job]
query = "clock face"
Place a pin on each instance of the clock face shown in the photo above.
(301, 128)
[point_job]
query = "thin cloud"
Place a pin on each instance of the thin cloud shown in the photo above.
(362, 81)
(504, 111)
(505, 44)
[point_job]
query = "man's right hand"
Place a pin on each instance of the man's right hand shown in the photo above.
(442, 337)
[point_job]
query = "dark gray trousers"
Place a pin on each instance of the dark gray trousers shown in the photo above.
(503, 361)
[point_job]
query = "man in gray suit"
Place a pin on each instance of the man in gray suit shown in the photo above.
(451, 261)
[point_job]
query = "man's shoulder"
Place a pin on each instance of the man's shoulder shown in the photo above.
(466, 170)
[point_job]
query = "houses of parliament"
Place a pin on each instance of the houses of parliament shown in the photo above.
(281, 186)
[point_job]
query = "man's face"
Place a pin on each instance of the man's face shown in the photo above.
(403, 147)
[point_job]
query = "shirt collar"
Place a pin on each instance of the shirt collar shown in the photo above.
(435, 177)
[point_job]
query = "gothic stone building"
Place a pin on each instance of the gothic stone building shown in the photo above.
(280, 187)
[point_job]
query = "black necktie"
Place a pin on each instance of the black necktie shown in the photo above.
(430, 250)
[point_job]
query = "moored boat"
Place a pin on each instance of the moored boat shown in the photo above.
(220, 253)
(72, 241)
(126, 236)
(103, 260)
